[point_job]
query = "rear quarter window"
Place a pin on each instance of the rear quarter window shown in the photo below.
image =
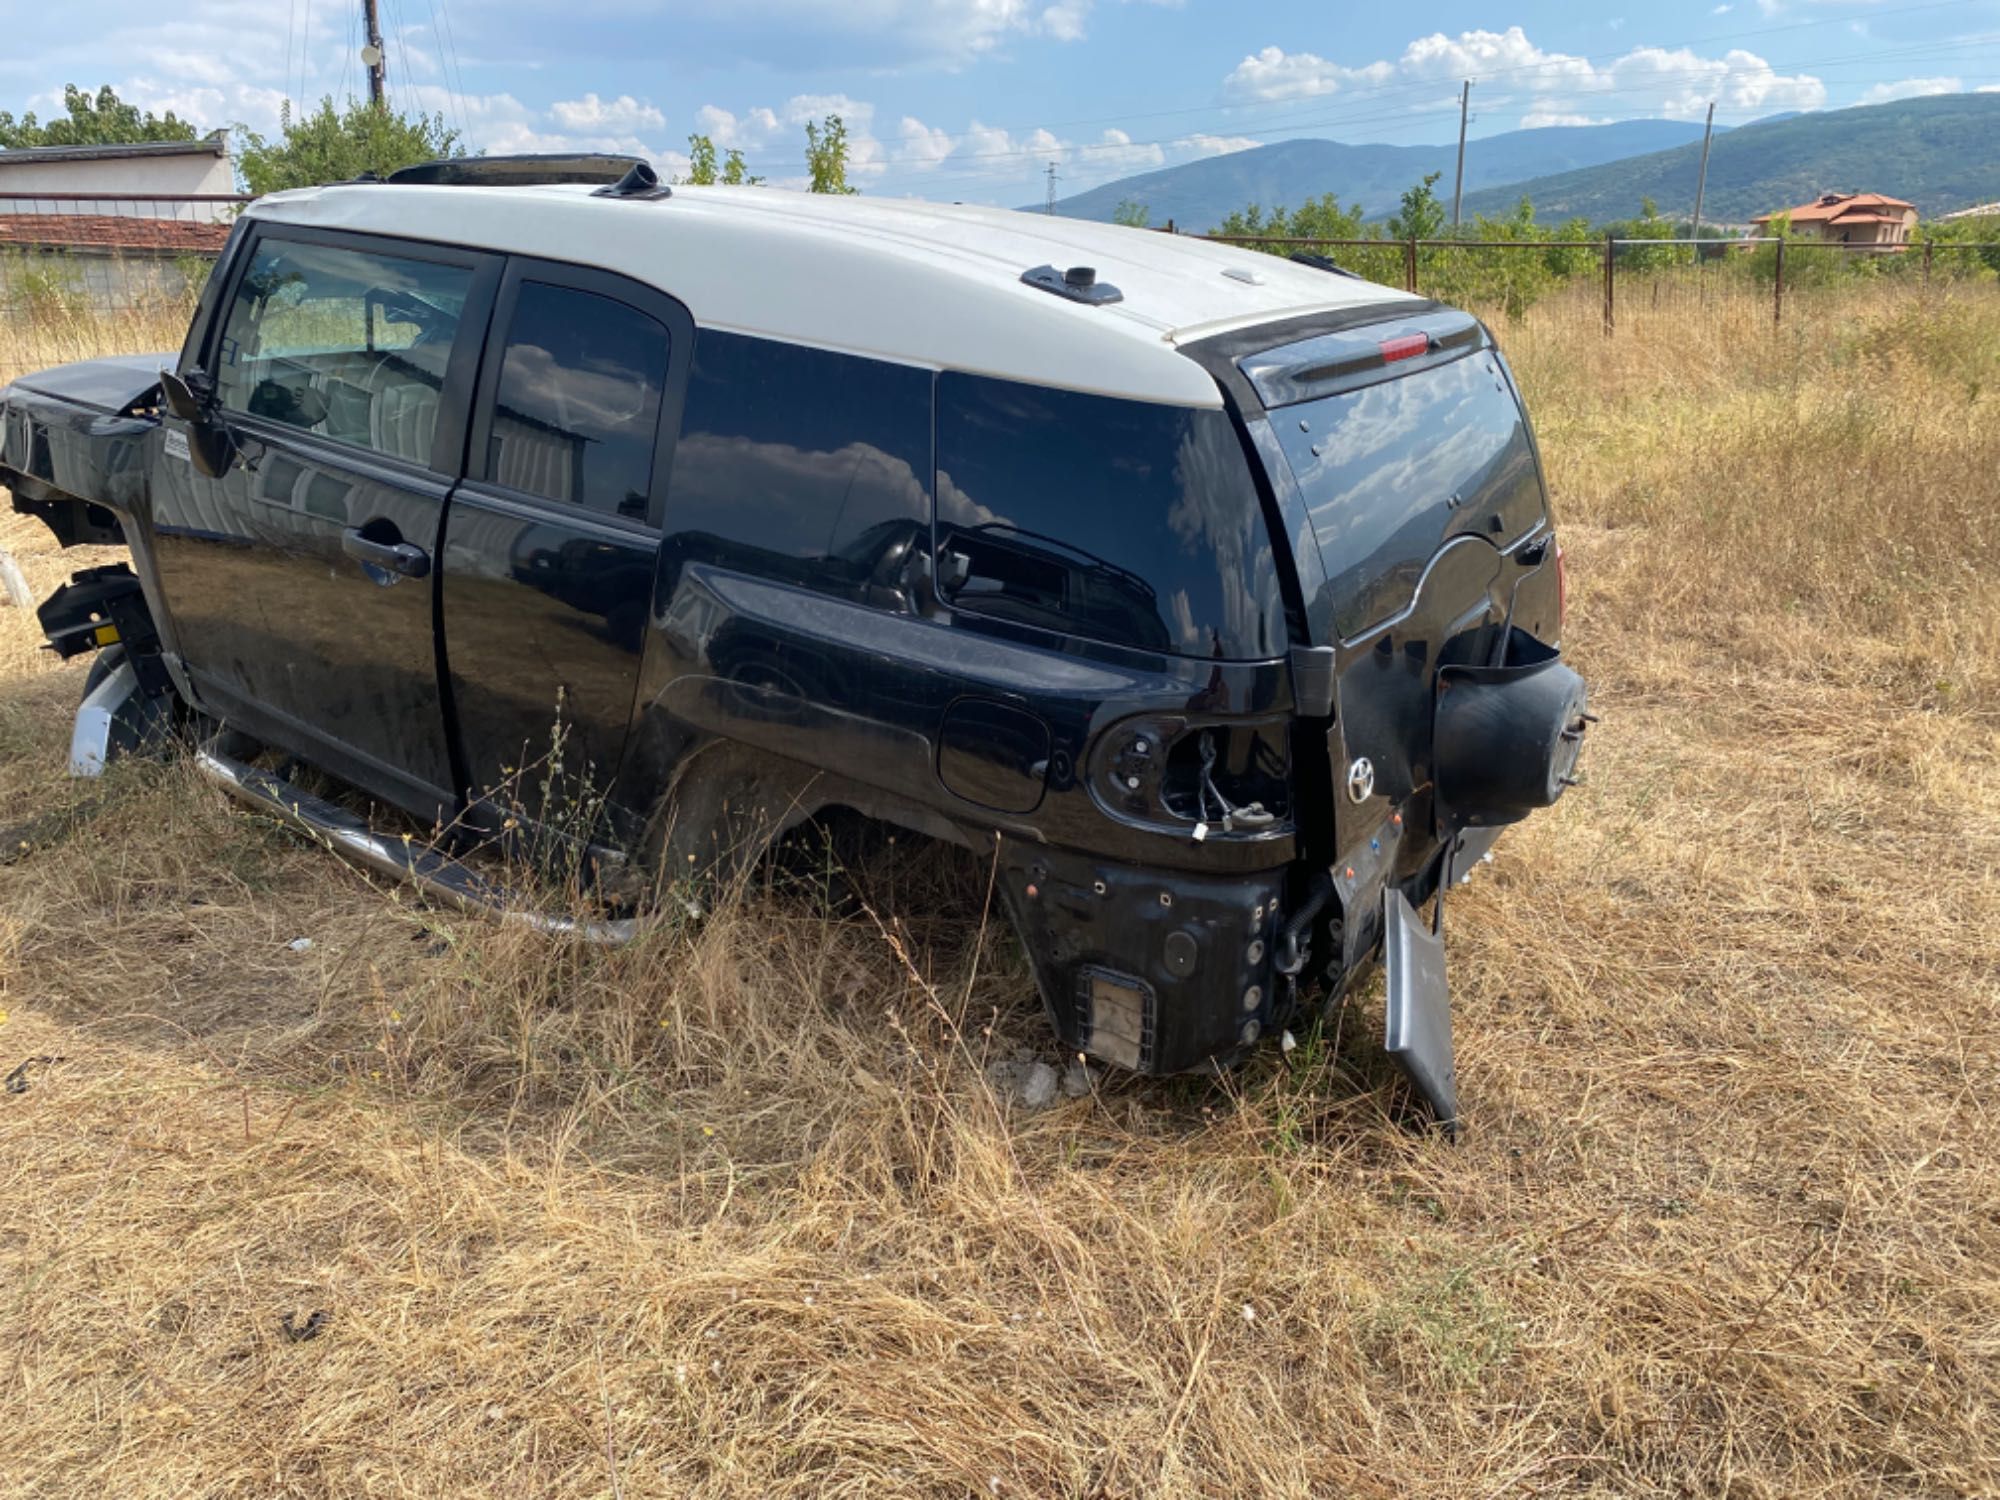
(1119, 521)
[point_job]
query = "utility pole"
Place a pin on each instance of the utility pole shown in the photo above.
(1458, 183)
(1701, 182)
(1049, 208)
(378, 73)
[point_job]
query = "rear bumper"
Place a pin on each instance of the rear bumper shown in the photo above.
(1167, 971)
(1155, 971)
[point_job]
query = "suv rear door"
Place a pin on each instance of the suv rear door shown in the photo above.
(553, 539)
(298, 581)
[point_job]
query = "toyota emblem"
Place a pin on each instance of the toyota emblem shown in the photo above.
(1361, 780)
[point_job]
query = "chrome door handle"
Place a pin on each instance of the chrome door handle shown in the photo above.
(406, 558)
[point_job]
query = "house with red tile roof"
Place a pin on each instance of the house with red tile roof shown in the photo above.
(1849, 219)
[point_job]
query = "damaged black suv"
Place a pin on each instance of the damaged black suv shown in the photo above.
(1214, 597)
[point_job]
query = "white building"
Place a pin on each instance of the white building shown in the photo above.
(166, 169)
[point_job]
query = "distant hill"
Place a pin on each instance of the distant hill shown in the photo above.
(1940, 153)
(1198, 195)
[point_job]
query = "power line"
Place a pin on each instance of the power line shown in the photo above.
(453, 64)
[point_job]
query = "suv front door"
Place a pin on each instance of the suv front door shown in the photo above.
(301, 582)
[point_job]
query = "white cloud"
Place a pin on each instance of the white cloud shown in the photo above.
(1274, 74)
(1677, 82)
(870, 33)
(1201, 144)
(1911, 88)
(752, 129)
(1538, 117)
(1065, 20)
(623, 114)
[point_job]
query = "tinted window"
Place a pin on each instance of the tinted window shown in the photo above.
(1389, 472)
(1122, 521)
(803, 464)
(348, 344)
(578, 404)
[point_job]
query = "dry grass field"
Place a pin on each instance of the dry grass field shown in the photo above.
(734, 1212)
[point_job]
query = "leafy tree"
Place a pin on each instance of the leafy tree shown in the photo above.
(702, 170)
(826, 156)
(1320, 218)
(331, 145)
(1981, 230)
(1132, 214)
(1421, 216)
(102, 120)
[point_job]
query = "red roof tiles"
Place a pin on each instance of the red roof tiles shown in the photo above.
(111, 232)
(1832, 207)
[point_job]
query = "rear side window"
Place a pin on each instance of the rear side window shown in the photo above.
(803, 464)
(577, 412)
(1120, 521)
(345, 344)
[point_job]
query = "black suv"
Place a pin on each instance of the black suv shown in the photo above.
(1214, 597)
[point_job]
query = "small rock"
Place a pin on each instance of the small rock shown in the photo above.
(1038, 1087)
(1076, 1080)
(299, 945)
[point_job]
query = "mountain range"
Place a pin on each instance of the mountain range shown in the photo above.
(1198, 195)
(1940, 153)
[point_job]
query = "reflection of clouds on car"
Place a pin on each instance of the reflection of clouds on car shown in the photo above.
(772, 483)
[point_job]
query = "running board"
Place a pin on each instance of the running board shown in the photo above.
(402, 858)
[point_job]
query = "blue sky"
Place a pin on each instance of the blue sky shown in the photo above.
(970, 99)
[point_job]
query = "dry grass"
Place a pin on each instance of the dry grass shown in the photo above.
(732, 1213)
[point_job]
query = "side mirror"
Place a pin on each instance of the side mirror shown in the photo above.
(181, 398)
(191, 398)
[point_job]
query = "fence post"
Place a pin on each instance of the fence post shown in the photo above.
(1610, 275)
(1778, 288)
(1410, 264)
(1927, 270)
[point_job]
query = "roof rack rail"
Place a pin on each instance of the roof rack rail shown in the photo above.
(517, 171)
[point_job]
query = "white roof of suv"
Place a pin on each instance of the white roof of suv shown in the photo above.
(898, 279)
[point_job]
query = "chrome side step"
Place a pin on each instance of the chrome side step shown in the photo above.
(403, 858)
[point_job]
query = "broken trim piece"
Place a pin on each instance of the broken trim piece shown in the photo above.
(436, 874)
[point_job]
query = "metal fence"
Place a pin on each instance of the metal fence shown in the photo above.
(1617, 282)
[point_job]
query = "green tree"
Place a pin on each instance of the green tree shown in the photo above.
(1320, 218)
(702, 170)
(100, 120)
(826, 155)
(1421, 216)
(1132, 214)
(331, 145)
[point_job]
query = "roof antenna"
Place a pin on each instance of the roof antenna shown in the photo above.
(640, 182)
